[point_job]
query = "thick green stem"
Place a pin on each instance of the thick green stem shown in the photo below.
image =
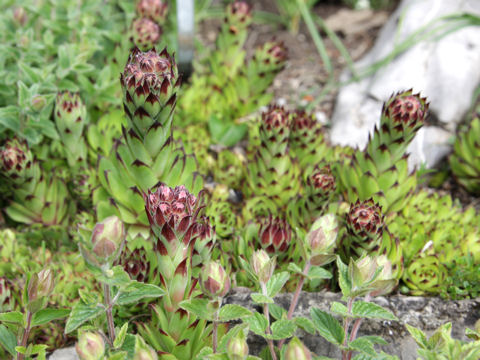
(26, 334)
(108, 307)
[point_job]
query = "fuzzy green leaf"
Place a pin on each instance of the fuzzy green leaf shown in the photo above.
(15, 317)
(344, 278)
(294, 268)
(418, 335)
(318, 272)
(305, 324)
(257, 323)
(371, 311)
(198, 307)
(327, 326)
(276, 283)
(115, 277)
(120, 338)
(81, 313)
(340, 309)
(277, 312)
(129, 345)
(231, 312)
(363, 345)
(261, 299)
(46, 315)
(8, 340)
(282, 329)
(137, 291)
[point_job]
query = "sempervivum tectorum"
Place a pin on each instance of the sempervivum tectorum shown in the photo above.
(70, 119)
(307, 140)
(365, 223)
(134, 261)
(381, 170)
(271, 171)
(153, 9)
(275, 235)
(465, 160)
(150, 83)
(425, 275)
(17, 164)
(145, 33)
(175, 223)
(147, 153)
(174, 220)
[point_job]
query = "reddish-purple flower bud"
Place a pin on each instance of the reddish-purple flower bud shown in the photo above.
(153, 9)
(146, 33)
(276, 117)
(275, 235)
(365, 219)
(108, 238)
(406, 109)
(214, 281)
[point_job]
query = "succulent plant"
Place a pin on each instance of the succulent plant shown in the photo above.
(70, 119)
(7, 298)
(183, 242)
(223, 218)
(465, 159)
(308, 142)
(275, 235)
(381, 170)
(17, 163)
(146, 33)
(147, 153)
(271, 170)
(153, 9)
(135, 260)
(425, 275)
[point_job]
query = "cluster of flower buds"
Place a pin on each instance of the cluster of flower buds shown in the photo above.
(214, 281)
(321, 242)
(275, 235)
(406, 110)
(238, 16)
(147, 28)
(40, 287)
(16, 162)
(90, 346)
(149, 82)
(106, 242)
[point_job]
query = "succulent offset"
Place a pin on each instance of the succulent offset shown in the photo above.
(147, 154)
(381, 170)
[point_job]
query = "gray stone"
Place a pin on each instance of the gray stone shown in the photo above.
(445, 71)
(64, 354)
(422, 312)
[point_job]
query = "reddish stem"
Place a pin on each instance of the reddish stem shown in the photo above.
(26, 334)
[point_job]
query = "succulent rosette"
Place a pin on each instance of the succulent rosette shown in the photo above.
(381, 170)
(271, 170)
(17, 163)
(465, 160)
(275, 235)
(146, 33)
(153, 9)
(425, 275)
(147, 154)
(183, 241)
(70, 119)
(223, 217)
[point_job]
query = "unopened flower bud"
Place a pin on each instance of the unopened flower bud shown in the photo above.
(297, 351)
(143, 351)
(20, 16)
(38, 102)
(237, 347)
(90, 346)
(321, 240)
(108, 237)
(40, 287)
(385, 282)
(153, 9)
(214, 281)
(263, 265)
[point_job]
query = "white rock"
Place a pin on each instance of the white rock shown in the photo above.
(446, 71)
